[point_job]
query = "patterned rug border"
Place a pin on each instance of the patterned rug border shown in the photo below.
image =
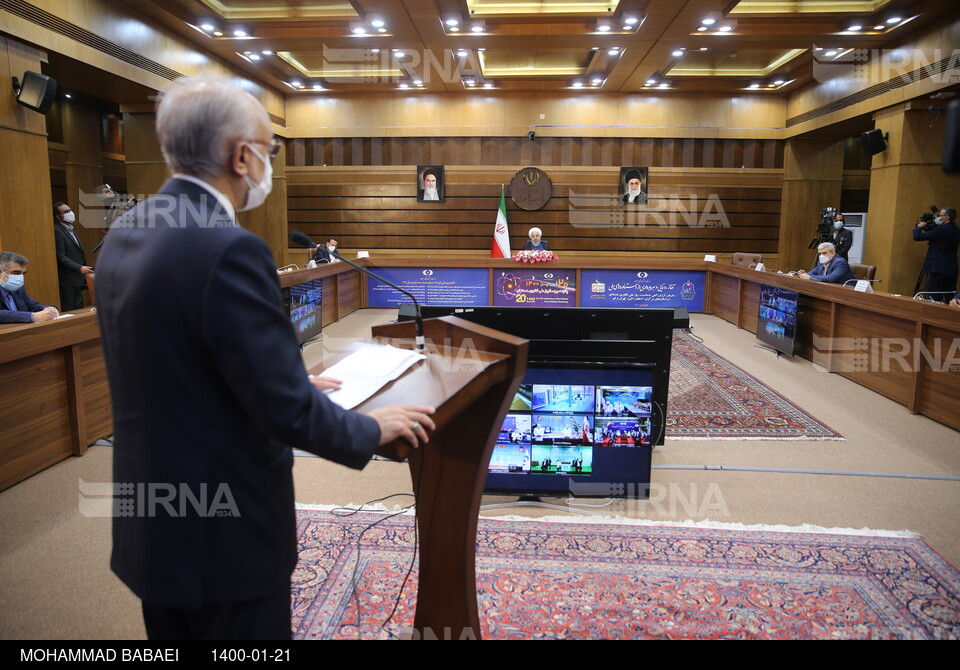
(691, 338)
(809, 529)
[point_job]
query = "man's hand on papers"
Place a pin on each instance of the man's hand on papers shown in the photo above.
(410, 422)
(325, 383)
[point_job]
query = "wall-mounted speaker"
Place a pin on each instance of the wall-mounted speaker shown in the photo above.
(36, 91)
(874, 141)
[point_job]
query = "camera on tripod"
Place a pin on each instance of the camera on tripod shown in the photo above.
(928, 219)
(824, 228)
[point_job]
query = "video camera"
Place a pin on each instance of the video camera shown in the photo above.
(824, 228)
(927, 219)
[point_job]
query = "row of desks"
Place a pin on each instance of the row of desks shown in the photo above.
(906, 350)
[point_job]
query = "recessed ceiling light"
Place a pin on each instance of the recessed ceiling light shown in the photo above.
(381, 30)
(603, 29)
(240, 33)
(296, 84)
(267, 52)
(374, 51)
(462, 53)
(701, 29)
(651, 81)
(454, 29)
(377, 23)
(596, 81)
(677, 52)
(754, 85)
(894, 19)
(578, 84)
(359, 31)
(218, 33)
(482, 49)
(708, 22)
(631, 20)
(397, 52)
(452, 22)
(704, 48)
(404, 85)
(725, 29)
(664, 84)
(778, 82)
(68, 96)
(855, 27)
(254, 56)
(880, 27)
(488, 85)
(207, 26)
(317, 87)
(625, 28)
(613, 52)
(832, 52)
(477, 29)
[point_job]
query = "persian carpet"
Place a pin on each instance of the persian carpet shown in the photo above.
(550, 580)
(711, 398)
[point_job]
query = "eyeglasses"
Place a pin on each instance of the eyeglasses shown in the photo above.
(275, 145)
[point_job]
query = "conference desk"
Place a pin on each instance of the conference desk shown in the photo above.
(906, 350)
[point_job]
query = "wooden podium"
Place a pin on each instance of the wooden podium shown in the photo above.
(471, 376)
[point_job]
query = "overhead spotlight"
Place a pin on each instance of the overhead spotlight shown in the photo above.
(854, 28)
(880, 27)
(613, 52)
(374, 51)
(596, 81)
(404, 85)
(377, 23)
(253, 56)
(358, 30)
(469, 82)
(397, 53)
(240, 32)
(677, 53)
(754, 85)
(652, 81)
(418, 82)
(218, 33)
(452, 22)
(664, 84)
(296, 83)
(701, 29)
(631, 20)
(488, 84)
(704, 48)
(894, 19)
(68, 96)
(477, 28)
(578, 84)
(778, 82)
(209, 27)
(626, 28)
(831, 53)
(725, 29)
(267, 52)
(381, 30)
(708, 22)
(482, 49)
(603, 28)
(454, 29)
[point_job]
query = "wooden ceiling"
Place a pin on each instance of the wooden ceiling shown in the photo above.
(324, 47)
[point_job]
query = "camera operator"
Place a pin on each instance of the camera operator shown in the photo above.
(842, 238)
(940, 264)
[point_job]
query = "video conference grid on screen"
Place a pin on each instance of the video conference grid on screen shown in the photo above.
(305, 307)
(777, 317)
(555, 429)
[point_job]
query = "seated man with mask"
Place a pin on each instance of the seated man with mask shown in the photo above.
(325, 251)
(15, 305)
(831, 268)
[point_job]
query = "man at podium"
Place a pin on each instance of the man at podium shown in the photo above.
(208, 387)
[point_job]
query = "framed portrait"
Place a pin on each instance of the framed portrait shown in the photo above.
(633, 185)
(430, 183)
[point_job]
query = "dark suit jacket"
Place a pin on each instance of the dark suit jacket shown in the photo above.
(209, 393)
(641, 199)
(842, 239)
(323, 256)
(943, 241)
(26, 306)
(529, 245)
(837, 271)
(70, 257)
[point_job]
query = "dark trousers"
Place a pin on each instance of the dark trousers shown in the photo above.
(70, 298)
(939, 282)
(266, 618)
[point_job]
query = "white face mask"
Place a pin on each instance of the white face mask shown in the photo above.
(258, 192)
(838, 225)
(69, 217)
(824, 259)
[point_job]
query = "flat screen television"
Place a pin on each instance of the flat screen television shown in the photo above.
(777, 318)
(577, 429)
(304, 305)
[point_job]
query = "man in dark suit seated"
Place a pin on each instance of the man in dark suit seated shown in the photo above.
(208, 387)
(325, 251)
(15, 305)
(831, 269)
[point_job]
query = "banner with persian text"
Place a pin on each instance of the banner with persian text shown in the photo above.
(642, 288)
(431, 286)
(534, 288)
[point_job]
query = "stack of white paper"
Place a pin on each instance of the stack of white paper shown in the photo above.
(367, 370)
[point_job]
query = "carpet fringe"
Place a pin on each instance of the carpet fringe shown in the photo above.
(626, 521)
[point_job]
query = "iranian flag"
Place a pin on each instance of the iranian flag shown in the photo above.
(501, 234)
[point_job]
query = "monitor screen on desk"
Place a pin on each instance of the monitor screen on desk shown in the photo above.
(578, 430)
(777, 318)
(304, 304)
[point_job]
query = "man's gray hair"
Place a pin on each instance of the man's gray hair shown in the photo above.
(200, 121)
(8, 257)
(828, 246)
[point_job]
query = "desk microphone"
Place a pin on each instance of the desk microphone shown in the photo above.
(418, 318)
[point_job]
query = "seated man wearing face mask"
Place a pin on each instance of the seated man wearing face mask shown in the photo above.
(325, 251)
(831, 268)
(15, 305)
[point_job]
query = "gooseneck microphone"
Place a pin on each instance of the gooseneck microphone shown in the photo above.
(304, 240)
